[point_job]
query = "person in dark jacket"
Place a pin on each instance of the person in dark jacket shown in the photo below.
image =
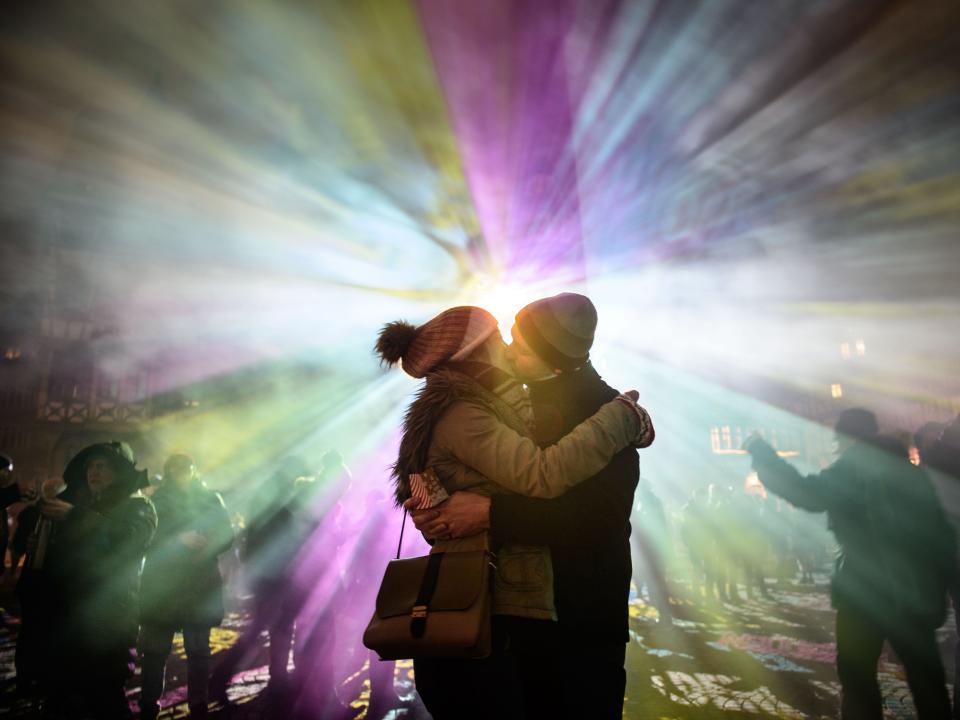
(182, 589)
(587, 529)
(26, 658)
(10, 493)
(6, 476)
(277, 528)
(940, 454)
(79, 588)
(895, 562)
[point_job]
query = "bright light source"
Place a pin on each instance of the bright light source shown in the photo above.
(845, 351)
(836, 390)
(503, 299)
(915, 455)
(861, 348)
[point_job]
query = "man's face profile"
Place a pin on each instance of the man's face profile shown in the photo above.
(526, 364)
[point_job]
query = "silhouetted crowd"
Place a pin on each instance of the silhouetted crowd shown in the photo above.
(722, 544)
(114, 567)
(893, 521)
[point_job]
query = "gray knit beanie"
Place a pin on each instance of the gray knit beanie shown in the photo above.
(559, 329)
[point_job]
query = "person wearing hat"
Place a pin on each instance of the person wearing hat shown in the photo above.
(587, 529)
(895, 562)
(182, 589)
(470, 425)
(80, 584)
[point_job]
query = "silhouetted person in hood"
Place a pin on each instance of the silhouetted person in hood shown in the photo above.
(80, 585)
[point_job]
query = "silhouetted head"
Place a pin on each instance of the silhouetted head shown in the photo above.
(6, 469)
(179, 469)
(951, 434)
(853, 425)
(552, 336)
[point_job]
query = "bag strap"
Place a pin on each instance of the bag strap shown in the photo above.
(428, 584)
(403, 524)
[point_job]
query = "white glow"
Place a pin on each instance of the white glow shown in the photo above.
(504, 299)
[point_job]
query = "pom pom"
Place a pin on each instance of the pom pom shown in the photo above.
(394, 340)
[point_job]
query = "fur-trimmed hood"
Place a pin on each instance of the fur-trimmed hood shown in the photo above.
(441, 390)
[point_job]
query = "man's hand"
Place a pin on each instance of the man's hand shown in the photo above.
(427, 521)
(54, 509)
(464, 514)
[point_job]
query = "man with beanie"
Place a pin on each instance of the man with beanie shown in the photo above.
(470, 426)
(895, 562)
(182, 589)
(587, 529)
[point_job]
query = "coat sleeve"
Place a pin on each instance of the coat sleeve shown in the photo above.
(810, 492)
(476, 438)
(595, 511)
(123, 534)
(219, 528)
(134, 528)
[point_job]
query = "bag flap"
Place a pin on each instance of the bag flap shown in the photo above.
(463, 576)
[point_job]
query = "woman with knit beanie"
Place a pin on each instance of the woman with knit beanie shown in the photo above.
(470, 426)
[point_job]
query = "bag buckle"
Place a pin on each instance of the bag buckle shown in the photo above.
(418, 611)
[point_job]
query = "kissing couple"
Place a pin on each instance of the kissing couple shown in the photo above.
(537, 459)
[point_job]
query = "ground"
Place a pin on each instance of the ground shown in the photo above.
(755, 659)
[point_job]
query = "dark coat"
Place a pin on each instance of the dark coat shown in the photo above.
(896, 550)
(182, 586)
(9, 495)
(588, 528)
(83, 598)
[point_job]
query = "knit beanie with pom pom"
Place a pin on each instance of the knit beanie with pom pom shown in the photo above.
(452, 335)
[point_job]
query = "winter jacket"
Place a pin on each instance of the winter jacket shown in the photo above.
(86, 589)
(182, 586)
(896, 550)
(474, 434)
(588, 528)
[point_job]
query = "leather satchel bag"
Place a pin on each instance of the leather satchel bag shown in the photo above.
(437, 606)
